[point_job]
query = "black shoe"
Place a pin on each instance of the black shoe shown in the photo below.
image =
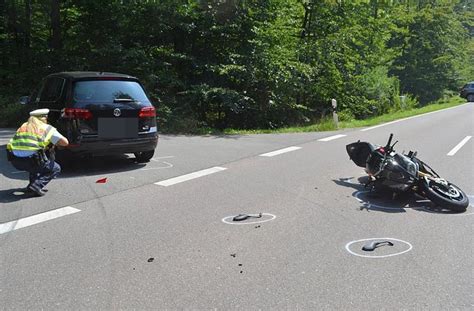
(36, 192)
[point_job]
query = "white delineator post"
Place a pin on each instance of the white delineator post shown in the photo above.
(334, 112)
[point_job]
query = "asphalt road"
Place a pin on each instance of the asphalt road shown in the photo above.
(150, 238)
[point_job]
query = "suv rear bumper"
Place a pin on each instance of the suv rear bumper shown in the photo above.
(116, 146)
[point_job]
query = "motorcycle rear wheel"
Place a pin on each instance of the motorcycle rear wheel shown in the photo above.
(447, 195)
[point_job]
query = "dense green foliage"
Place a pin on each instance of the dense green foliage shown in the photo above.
(245, 64)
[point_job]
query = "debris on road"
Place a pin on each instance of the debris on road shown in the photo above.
(241, 217)
(101, 181)
(373, 245)
(151, 259)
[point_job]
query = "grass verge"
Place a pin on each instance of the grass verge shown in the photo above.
(328, 125)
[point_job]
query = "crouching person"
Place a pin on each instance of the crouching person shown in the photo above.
(31, 150)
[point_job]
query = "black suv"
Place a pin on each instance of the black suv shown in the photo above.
(467, 91)
(100, 113)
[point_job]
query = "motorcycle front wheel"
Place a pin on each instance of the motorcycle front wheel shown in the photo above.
(445, 194)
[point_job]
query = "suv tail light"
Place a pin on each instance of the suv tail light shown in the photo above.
(76, 113)
(147, 112)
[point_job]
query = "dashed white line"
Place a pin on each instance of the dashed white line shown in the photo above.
(36, 219)
(332, 137)
(277, 152)
(179, 179)
(459, 146)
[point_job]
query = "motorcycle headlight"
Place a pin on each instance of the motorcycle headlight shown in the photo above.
(411, 168)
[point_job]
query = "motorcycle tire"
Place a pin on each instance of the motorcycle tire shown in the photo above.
(450, 197)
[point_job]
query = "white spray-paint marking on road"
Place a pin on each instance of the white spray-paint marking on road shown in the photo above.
(226, 220)
(168, 165)
(157, 159)
(381, 256)
(372, 205)
(180, 179)
(459, 146)
(469, 208)
(277, 152)
(36, 219)
(332, 137)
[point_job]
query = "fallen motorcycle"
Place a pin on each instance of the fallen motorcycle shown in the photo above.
(397, 172)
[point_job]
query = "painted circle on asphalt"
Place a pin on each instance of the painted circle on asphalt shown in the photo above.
(265, 217)
(161, 164)
(359, 194)
(420, 204)
(400, 247)
(468, 211)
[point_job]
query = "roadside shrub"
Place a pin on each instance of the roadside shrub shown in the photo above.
(345, 115)
(12, 113)
(408, 101)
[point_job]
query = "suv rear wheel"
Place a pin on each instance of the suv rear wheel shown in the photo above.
(144, 156)
(470, 98)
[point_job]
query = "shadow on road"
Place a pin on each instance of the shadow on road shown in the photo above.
(387, 201)
(13, 195)
(79, 166)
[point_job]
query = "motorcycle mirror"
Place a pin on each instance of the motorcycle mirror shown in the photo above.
(394, 145)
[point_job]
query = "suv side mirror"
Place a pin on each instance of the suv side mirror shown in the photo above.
(24, 100)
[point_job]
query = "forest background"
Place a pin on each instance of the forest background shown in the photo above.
(245, 64)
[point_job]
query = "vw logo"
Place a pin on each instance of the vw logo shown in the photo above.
(117, 112)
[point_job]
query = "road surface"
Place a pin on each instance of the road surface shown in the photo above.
(160, 235)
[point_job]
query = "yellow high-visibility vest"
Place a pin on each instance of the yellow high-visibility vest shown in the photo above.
(29, 141)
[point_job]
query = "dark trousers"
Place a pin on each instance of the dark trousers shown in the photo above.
(41, 173)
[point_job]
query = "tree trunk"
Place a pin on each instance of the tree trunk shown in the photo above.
(12, 27)
(56, 43)
(27, 33)
(3, 30)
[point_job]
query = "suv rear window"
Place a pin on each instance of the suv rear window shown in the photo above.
(52, 89)
(106, 91)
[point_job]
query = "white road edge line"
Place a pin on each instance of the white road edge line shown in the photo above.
(36, 219)
(420, 115)
(459, 146)
(179, 179)
(277, 152)
(332, 137)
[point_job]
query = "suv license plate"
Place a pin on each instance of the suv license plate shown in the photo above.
(118, 127)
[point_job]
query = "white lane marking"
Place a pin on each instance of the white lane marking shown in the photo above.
(36, 219)
(179, 179)
(332, 137)
(459, 146)
(277, 152)
(383, 256)
(420, 115)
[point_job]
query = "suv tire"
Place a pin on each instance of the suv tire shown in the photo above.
(145, 156)
(470, 98)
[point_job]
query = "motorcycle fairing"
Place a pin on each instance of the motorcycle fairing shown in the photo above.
(359, 152)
